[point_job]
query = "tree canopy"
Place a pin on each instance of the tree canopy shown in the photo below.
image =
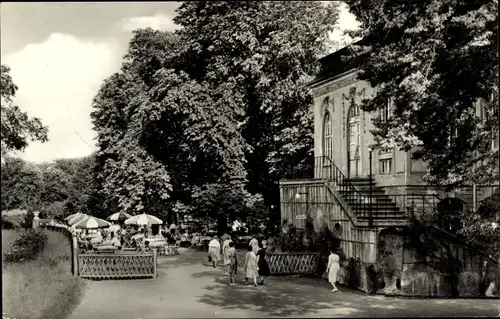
(16, 128)
(434, 60)
(22, 185)
(219, 109)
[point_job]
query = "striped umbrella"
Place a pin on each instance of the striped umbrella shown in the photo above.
(143, 219)
(119, 216)
(72, 216)
(91, 222)
(77, 218)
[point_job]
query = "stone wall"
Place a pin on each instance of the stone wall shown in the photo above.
(477, 277)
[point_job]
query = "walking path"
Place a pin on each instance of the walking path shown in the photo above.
(188, 287)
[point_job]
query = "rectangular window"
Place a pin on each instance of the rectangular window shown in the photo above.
(385, 152)
(385, 112)
(495, 142)
(385, 166)
(328, 146)
(453, 134)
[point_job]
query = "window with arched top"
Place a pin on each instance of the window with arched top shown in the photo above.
(353, 111)
(327, 135)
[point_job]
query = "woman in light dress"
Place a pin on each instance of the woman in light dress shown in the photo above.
(225, 254)
(333, 269)
(214, 250)
(251, 267)
(254, 243)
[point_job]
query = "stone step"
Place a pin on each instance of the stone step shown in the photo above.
(374, 205)
(375, 217)
(366, 193)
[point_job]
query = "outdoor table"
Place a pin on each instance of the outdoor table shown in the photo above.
(105, 249)
(158, 244)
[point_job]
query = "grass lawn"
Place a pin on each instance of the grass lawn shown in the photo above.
(44, 287)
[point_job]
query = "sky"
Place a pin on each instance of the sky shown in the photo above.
(60, 53)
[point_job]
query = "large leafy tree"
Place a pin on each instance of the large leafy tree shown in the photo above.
(56, 185)
(264, 53)
(16, 128)
(22, 185)
(434, 59)
(220, 107)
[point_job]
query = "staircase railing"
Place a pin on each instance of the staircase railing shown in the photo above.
(364, 205)
(392, 205)
(324, 168)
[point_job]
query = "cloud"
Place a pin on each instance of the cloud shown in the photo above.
(347, 21)
(57, 81)
(159, 21)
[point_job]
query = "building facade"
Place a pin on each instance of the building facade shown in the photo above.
(341, 195)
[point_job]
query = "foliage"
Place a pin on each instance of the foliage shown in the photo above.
(325, 242)
(55, 210)
(482, 228)
(434, 60)
(16, 127)
(28, 244)
(222, 116)
(265, 61)
(56, 185)
(22, 184)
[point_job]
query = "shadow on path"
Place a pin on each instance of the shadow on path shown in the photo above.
(304, 296)
(275, 299)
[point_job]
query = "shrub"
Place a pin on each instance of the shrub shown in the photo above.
(28, 244)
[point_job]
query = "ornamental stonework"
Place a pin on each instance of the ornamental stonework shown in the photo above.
(322, 90)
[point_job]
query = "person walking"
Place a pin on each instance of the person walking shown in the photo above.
(284, 235)
(225, 255)
(233, 262)
(214, 250)
(254, 243)
(333, 269)
(251, 267)
(264, 270)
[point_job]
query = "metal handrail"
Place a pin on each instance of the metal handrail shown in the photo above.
(342, 184)
(362, 204)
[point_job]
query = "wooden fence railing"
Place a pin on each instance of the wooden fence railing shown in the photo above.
(114, 266)
(293, 263)
(106, 266)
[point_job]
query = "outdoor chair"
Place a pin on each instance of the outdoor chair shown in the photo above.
(142, 247)
(128, 244)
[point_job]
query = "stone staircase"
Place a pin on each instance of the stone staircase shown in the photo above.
(385, 210)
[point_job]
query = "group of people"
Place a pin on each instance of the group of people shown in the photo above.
(256, 267)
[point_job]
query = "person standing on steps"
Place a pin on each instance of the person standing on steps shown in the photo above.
(333, 269)
(214, 250)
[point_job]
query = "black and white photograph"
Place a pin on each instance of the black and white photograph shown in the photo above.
(250, 159)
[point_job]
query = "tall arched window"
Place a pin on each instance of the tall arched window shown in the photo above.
(327, 135)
